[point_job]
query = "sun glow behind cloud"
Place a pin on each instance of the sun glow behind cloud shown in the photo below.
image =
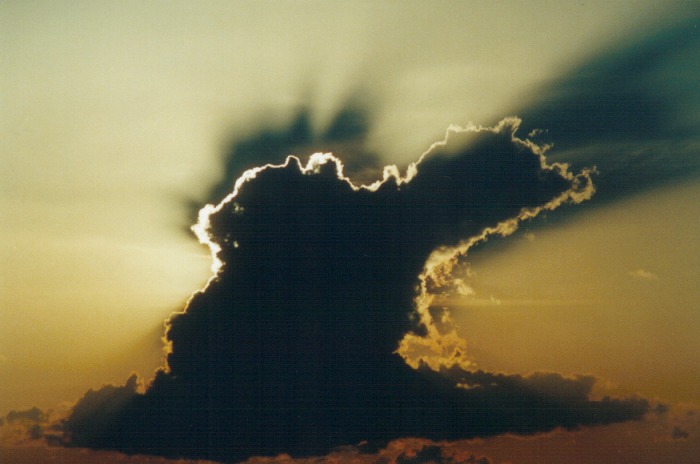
(113, 114)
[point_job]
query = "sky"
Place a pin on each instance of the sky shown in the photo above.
(121, 120)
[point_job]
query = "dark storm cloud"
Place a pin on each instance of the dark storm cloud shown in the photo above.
(292, 346)
(632, 111)
(101, 406)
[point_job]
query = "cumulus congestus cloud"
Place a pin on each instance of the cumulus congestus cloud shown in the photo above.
(316, 329)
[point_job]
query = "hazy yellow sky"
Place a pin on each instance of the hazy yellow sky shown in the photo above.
(612, 293)
(113, 114)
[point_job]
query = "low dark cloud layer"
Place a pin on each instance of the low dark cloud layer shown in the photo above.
(292, 346)
(20, 427)
(32, 415)
(432, 454)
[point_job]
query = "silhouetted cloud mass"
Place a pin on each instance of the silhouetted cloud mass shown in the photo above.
(301, 342)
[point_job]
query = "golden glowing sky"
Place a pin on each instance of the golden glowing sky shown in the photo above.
(612, 293)
(114, 114)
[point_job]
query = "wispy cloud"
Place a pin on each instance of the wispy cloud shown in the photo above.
(643, 274)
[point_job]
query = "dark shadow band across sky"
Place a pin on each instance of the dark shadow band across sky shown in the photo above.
(632, 111)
